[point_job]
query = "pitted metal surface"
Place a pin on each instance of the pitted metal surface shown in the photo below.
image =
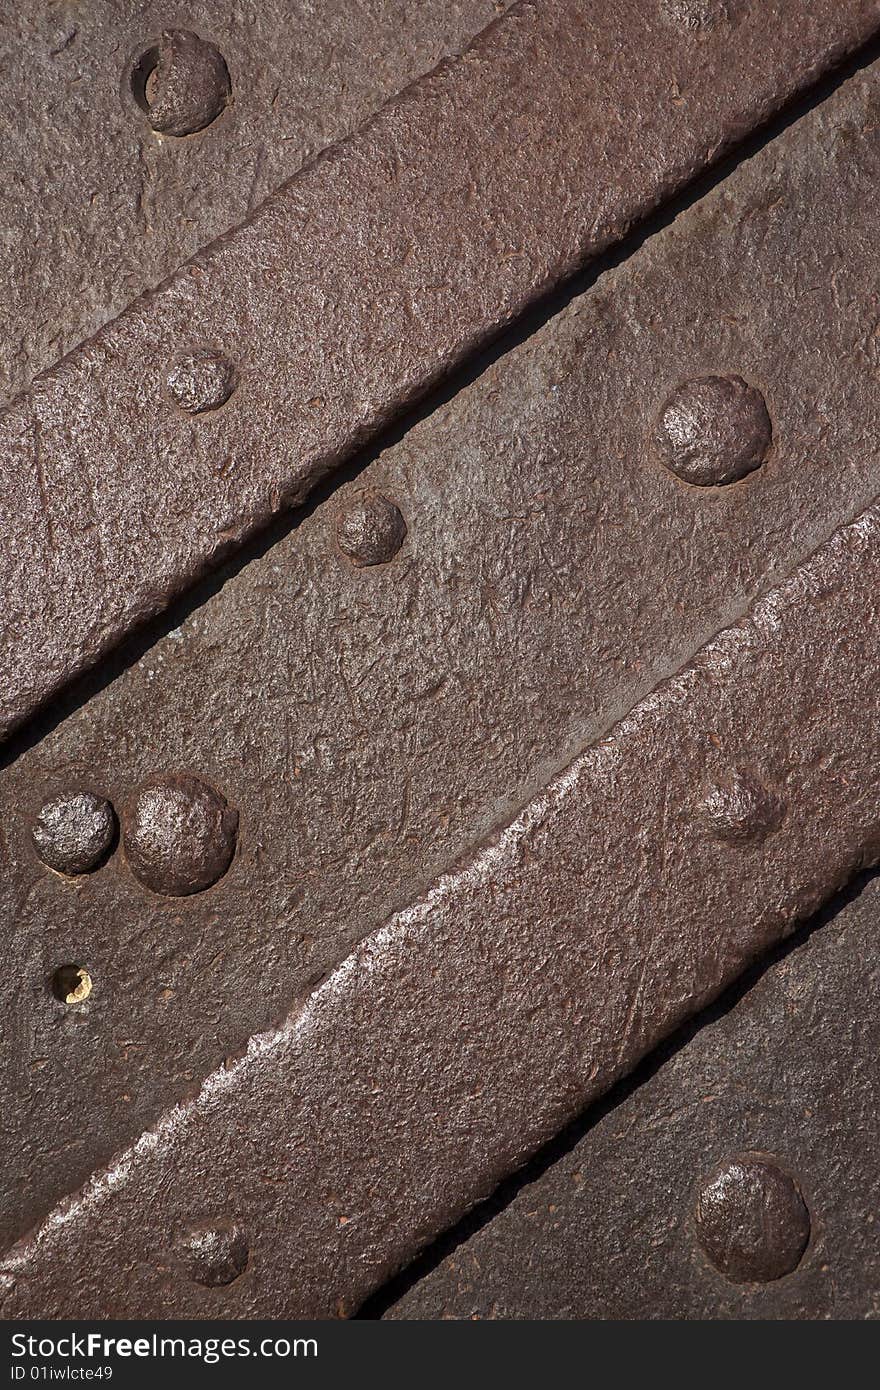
(193, 850)
(99, 207)
(356, 287)
(477, 1021)
(613, 1228)
(368, 724)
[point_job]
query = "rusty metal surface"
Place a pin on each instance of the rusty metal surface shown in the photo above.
(616, 1227)
(355, 287)
(193, 849)
(368, 723)
(126, 205)
(476, 1022)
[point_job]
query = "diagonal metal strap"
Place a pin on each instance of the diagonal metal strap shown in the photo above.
(221, 397)
(721, 812)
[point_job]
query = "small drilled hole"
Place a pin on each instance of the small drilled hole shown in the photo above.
(143, 79)
(71, 984)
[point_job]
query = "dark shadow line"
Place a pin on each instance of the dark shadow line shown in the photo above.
(382, 1299)
(139, 640)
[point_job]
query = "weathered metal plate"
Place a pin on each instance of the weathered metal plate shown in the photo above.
(476, 1022)
(370, 724)
(128, 204)
(130, 469)
(613, 1229)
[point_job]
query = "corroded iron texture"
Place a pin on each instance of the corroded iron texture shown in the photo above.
(370, 722)
(617, 1227)
(99, 207)
(355, 287)
(474, 1023)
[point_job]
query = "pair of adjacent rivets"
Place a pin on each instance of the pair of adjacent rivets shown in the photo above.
(713, 431)
(178, 833)
(750, 1216)
(182, 85)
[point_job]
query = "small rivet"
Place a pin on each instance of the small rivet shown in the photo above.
(182, 84)
(752, 1221)
(202, 381)
(698, 14)
(73, 832)
(71, 984)
(371, 530)
(713, 430)
(178, 834)
(740, 809)
(214, 1254)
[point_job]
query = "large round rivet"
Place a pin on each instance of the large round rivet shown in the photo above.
(214, 1254)
(179, 834)
(200, 381)
(752, 1221)
(182, 84)
(740, 809)
(73, 832)
(370, 530)
(714, 430)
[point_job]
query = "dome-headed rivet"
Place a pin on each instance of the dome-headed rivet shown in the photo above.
(713, 430)
(370, 530)
(178, 834)
(182, 84)
(74, 832)
(214, 1253)
(752, 1221)
(201, 381)
(740, 809)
